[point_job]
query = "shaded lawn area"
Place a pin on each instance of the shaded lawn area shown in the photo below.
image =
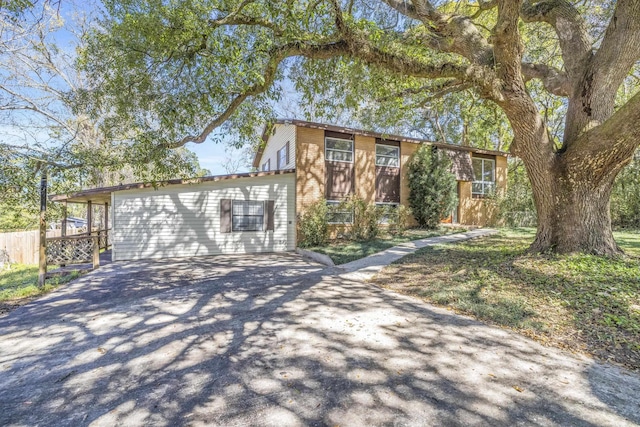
(19, 285)
(343, 251)
(579, 302)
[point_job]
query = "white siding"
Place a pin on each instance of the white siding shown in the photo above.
(184, 220)
(275, 142)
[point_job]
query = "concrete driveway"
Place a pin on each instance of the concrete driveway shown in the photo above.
(275, 340)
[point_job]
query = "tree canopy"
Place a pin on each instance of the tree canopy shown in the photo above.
(562, 73)
(42, 128)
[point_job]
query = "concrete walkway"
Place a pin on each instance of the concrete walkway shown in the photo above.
(365, 268)
(277, 341)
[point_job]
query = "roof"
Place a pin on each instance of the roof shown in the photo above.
(390, 137)
(103, 194)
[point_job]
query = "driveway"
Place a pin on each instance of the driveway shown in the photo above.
(275, 340)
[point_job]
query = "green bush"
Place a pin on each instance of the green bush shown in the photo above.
(366, 219)
(399, 218)
(515, 205)
(313, 226)
(432, 186)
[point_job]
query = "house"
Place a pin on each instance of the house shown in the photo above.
(332, 162)
(298, 163)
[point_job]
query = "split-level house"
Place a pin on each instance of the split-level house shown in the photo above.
(333, 162)
(298, 163)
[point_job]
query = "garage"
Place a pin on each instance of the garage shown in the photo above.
(228, 214)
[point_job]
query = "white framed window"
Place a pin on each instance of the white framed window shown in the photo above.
(387, 155)
(283, 156)
(391, 211)
(338, 150)
(247, 215)
(484, 176)
(338, 213)
(266, 166)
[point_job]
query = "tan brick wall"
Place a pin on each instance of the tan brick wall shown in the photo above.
(479, 211)
(309, 167)
(365, 163)
(310, 174)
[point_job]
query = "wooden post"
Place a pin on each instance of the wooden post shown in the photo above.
(106, 226)
(89, 218)
(63, 231)
(42, 270)
(96, 252)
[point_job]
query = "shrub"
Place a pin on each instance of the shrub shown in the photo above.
(398, 220)
(314, 227)
(366, 219)
(515, 205)
(432, 186)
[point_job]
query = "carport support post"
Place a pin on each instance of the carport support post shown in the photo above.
(42, 254)
(89, 218)
(106, 226)
(63, 231)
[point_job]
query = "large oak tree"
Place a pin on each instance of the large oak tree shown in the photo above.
(179, 70)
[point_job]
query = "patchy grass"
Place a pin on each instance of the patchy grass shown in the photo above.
(629, 240)
(343, 251)
(579, 302)
(19, 285)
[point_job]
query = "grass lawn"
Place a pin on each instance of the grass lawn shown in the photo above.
(343, 251)
(580, 302)
(19, 285)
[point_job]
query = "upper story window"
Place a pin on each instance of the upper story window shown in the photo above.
(387, 155)
(247, 215)
(283, 156)
(484, 176)
(338, 150)
(266, 166)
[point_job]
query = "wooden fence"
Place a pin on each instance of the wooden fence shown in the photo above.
(22, 246)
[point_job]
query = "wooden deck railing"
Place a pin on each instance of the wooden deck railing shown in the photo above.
(70, 250)
(78, 249)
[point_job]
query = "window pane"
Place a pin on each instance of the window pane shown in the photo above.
(247, 207)
(248, 223)
(487, 176)
(339, 144)
(387, 150)
(340, 156)
(387, 161)
(476, 188)
(477, 169)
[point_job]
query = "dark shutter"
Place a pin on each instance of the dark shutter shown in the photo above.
(339, 180)
(269, 214)
(387, 184)
(225, 215)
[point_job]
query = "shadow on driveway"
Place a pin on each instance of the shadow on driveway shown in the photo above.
(275, 340)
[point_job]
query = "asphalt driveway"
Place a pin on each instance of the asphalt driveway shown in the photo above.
(276, 340)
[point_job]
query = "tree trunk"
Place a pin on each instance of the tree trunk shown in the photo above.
(573, 215)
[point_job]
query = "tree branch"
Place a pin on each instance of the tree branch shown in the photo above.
(570, 28)
(451, 33)
(553, 80)
(620, 47)
(607, 148)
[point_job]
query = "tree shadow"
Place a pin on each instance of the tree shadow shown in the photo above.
(272, 340)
